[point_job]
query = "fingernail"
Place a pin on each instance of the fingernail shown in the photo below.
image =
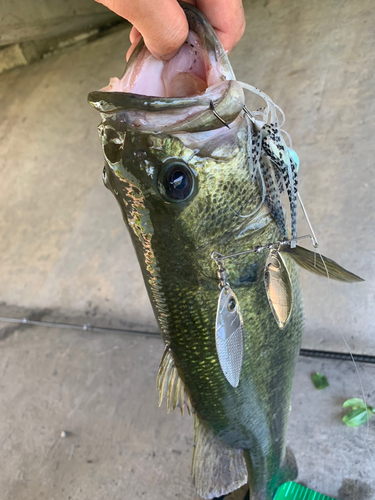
(165, 57)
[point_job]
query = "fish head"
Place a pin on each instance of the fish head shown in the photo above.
(176, 143)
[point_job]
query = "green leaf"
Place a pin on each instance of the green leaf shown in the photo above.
(320, 381)
(357, 417)
(354, 403)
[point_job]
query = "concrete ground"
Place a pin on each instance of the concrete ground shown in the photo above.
(100, 390)
(65, 256)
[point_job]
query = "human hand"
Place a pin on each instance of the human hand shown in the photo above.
(164, 27)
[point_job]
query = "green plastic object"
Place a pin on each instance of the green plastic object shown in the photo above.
(294, 491)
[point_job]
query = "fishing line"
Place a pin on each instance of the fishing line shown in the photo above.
(352, 358)
(263, 197)
(271, 109)
(86, 327)
(316, 250)
(315, 244)
(260, 204)
(308, 353)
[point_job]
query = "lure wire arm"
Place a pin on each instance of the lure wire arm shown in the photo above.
(258, 124)
(313, 237)
(219, 258)
(249, 114)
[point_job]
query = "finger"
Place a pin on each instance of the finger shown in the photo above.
(132, 47)
(134, 34)
(163, 23)
(227, 18)
(134, 37)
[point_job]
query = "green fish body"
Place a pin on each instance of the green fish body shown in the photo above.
(174, 242)
(185, 189)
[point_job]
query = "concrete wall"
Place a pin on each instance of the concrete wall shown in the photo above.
(63, 245)
(22, 20)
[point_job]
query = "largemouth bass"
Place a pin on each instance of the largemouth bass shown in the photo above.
(191, 170)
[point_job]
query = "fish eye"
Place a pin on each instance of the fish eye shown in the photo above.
(176, 181)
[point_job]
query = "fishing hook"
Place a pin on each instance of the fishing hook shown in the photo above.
(212, 108)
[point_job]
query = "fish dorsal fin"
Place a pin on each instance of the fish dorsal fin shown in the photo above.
(169, 384)
(217, 469)
(312, 261)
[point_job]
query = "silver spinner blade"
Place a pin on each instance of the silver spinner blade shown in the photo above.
(229, 336)
(279, 288)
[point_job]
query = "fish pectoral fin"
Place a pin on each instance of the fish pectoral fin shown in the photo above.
(169, 384)
(320, 265)
(216, 468)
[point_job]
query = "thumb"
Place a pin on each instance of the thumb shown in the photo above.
(162, 23)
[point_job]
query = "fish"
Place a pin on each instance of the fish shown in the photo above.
(196, 175)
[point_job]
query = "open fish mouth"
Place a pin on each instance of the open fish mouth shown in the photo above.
(184, 89)
(200, 63)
